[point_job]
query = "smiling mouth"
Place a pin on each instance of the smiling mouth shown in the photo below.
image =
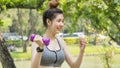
(59, 29)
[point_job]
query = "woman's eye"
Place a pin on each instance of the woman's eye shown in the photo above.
(59, 20)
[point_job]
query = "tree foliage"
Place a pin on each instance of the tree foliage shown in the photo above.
(1, 22)
(28, 4)
(97, 15)
(7, 4)
(103, 15)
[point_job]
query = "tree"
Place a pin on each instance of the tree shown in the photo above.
(1, 22)
(5, 57)
(7, 4)
(28, 4)
(4, 54)
(104, 15)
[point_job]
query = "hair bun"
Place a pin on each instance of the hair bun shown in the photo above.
(53, 3)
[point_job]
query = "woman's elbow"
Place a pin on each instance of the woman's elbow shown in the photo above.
(74, 66)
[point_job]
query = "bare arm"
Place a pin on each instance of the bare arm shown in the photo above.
(36, 56)
(68, 57)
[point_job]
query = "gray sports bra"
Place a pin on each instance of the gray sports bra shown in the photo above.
(52, 58)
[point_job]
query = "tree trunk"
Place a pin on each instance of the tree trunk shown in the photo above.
(25, 46)
(5, 57)
(21, 28)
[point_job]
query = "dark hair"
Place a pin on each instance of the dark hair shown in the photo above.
(51, 12)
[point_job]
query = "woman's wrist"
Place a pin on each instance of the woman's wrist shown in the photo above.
(82, 51)
(38, 49)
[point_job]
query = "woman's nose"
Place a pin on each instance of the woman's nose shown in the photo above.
(61, 24)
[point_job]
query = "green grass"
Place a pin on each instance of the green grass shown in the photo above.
(88, 62)
(92, 57)
(20, 55)
(74, 50)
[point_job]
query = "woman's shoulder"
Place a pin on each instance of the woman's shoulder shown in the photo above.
(61, 40)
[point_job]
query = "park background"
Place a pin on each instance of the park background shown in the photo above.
(98, 20)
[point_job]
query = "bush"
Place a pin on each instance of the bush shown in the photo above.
(71, 40)
(17, 43)
(90, 39)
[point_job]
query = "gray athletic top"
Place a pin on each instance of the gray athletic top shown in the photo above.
(52, 58)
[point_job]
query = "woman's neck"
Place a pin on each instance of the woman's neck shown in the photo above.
(49, 34)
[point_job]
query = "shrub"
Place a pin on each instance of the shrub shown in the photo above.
(71, 40)
(17, 43)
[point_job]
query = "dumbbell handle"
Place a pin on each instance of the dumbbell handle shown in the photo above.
(46, 41)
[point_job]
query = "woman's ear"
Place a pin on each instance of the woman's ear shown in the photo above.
(48, 22)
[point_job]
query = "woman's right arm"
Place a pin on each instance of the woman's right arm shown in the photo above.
(36, 56)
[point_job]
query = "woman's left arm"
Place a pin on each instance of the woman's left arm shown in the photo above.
(81, 53)
(68, 56)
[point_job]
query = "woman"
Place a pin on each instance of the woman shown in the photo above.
(54, 54)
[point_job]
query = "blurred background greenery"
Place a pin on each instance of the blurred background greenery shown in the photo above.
(97, 20)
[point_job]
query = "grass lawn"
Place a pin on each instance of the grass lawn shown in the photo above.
(88, 62)
(92, 57)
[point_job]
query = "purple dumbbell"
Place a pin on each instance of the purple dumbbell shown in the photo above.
(46, 41)
(32, 36)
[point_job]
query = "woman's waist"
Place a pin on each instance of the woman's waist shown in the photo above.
(48, 67)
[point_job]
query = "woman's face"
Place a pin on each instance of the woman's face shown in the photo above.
(57, 24)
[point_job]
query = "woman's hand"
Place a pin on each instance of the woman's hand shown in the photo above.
(38, 40)
(82, 44)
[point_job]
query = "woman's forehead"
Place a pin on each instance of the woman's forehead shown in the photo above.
(59, 16)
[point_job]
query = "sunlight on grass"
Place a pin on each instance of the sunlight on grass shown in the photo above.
(92, 57)
(74, 49)
(20, 54)
(88, 62)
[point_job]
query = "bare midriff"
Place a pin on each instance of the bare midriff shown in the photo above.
(48, 67)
